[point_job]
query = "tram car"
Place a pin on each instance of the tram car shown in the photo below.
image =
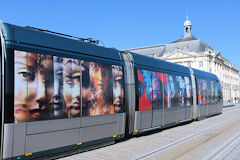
(61, 94)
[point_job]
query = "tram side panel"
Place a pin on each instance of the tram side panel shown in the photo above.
(162, 98)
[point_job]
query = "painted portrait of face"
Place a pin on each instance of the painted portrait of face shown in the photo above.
(118, 93)
(71, 86)
(216, 91)
(188, 86)
(144, 90)
(173, 88)
(21, 76)
(202, 91)
(188, 91)
(156, 91)
(58, 88)
(148, 82)
(199, 91)
(86, 88)
(101, 90)
(171, 85)
(181, 93)
(34, 89)
(212, 89)
(167, 92)
(99, 77)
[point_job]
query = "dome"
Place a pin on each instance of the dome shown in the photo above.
(187, 23)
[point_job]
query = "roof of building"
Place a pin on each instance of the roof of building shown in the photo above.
(189, 45)
(185, 39)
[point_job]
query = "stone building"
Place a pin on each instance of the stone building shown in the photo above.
(192, 52)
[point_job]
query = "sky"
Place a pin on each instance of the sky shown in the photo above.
(128, 24)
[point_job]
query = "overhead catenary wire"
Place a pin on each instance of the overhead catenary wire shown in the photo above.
(89, 40)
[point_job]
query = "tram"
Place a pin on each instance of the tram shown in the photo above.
(60, 94)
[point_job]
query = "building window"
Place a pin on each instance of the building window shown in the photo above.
(200, 63)
(188, 64)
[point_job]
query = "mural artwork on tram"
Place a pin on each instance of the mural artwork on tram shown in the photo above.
(212, 92)
(144, 89)
(151, 86)
(157, 93)
(181, 90)
(150, 90)
(71, 86)
(202, 91)
(172, 91)
(167, 92)
(51, 87)
(215, 92)
(118, 93)
(188, 95)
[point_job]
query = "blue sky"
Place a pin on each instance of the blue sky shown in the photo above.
(133, 23)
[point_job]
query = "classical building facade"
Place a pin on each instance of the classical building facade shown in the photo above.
(192, 52)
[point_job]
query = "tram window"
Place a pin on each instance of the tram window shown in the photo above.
(219, 93)
(138, 88)
(101, 89)
(145, 84)
(71, 87)
(22, 74)
(150, 89)
(188, 95)
(202, 91)
(58, 102)
(181, 90)
(199, 96)
(9, 89)
(215, 92)
(118, 88)
(173, 91)
(157, 92)
(208, 92)
(212, 92)
(167, 91)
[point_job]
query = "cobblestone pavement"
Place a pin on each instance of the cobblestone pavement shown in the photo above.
(218, 140)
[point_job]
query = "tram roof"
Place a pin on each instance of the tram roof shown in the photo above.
(158, 63)
(37, 38)
(168, 66)
(204, 74)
